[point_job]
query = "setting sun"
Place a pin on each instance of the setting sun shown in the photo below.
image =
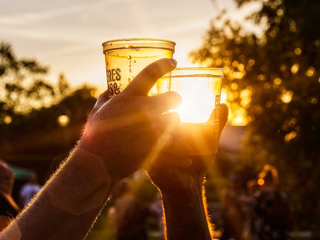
(190, 110)
(200, 91)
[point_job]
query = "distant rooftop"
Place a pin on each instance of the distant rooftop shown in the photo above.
(231, 140)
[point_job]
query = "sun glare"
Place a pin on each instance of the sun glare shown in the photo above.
(223, 97)
(191, 111)
(198, 99)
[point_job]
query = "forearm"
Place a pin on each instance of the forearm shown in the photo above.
(69, 203)
(186, 215)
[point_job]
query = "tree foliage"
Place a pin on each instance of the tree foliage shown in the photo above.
(30, 108)
(22, 86)
(273, 78)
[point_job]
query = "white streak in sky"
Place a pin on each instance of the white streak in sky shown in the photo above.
(28, 18)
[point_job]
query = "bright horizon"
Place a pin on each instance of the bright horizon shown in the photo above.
(68, 37)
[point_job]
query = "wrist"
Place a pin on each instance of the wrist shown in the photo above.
(100, 165)
(184, 194)
(183, 199)
(88, 145)
(186, 212)
(82, 184)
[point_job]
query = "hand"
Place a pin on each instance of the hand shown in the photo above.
(174, 172)
(121, 130)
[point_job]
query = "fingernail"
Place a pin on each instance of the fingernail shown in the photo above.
(173, 63)
(176, 101)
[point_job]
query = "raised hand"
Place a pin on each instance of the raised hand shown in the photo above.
(122, 130)
(180, 179)
(174, 171)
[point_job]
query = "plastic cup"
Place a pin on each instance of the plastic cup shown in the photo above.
(125, 58)
(200, 90)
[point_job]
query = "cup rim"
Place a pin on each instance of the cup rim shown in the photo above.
(139, 39)
(197, 71)
(127, 43)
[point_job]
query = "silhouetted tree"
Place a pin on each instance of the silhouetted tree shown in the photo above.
(30, 108)
(273, 78)
(63, 87)
(22, 86)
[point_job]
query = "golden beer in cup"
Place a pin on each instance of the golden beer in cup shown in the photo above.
(125, 58)
(200, 90)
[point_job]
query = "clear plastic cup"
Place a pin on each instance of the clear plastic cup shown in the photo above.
(200, 90)
(125, 58)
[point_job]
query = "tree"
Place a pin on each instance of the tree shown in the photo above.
(30, 108)
(22, 86)
(63, 87)
(273, 78)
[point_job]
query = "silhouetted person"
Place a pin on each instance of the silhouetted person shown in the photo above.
(270, 216)
(252, 187)
(8, 208)
(232, 213)
(157, 211)
(129, 214)
(30, 189)
(252, 191)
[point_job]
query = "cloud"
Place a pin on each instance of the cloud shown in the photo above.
(41, 34)
(28, 18)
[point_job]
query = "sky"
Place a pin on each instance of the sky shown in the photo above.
(66, 35)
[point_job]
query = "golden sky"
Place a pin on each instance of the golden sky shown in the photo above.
(67, 34)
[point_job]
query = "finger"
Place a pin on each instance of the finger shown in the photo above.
(223, 117)
(102, 99)
(164, 160)
(162, 103)
(168, 160)
(167, 122)
(145, 80)
(158, 141)
(153, 142)
(178, 149)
